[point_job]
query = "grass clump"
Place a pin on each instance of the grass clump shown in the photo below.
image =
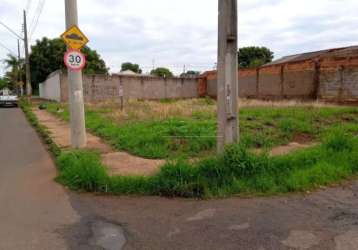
(81, 170)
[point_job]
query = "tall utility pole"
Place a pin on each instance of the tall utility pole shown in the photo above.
(228, 131)
(27, 59)
(19, 80)
(77, 114)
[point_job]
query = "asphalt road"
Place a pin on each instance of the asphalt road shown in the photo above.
(37, 213)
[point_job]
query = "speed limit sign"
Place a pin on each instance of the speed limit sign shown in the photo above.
(75, 60)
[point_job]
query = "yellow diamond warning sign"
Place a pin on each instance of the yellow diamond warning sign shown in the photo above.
(74, 38)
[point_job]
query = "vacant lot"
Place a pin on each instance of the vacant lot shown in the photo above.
(181, 131)
(172, 129)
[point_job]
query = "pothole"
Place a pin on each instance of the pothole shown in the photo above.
(108, 236)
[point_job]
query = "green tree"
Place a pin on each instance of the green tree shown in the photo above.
(162, 72)
(15, 70)
(3, 83)
(47, 57)
(251, 57)
(132, 67)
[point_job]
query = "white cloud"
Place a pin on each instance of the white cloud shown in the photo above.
(176, 32)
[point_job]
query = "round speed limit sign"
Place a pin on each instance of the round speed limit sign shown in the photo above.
(75, 60)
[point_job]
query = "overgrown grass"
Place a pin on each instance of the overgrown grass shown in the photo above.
(191, 131)
(237, 171)
(31, 117)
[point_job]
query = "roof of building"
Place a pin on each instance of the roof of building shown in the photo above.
(127, 72)
(345, 51)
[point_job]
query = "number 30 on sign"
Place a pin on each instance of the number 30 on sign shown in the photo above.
(74, 60)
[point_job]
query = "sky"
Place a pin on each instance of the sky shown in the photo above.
(174, 33)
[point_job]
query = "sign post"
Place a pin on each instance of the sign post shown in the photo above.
(75, 61)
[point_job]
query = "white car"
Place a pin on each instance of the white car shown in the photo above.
(8, 99)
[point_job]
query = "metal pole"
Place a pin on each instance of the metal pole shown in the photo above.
(77, 114)
(228, 131)
(27, 59)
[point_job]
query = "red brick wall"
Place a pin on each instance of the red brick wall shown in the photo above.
(328, 78)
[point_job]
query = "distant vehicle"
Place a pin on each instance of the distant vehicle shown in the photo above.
(7, 98)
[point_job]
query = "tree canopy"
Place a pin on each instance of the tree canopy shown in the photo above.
(3, 83)
(251, 57)
(162, 72)
(132, 67)
(47, 56)
(15, 71)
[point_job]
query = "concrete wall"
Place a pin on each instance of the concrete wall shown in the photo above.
(51, 88)
(102, 87)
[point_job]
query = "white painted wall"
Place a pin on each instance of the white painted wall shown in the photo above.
(51, 88)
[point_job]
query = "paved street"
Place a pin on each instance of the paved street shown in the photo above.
(37, 213)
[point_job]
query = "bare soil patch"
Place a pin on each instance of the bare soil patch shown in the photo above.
(118, 163)
(302, 138)
(291, 147)
(299, 141)
(121, 163)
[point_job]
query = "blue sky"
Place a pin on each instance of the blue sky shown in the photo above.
(174, 33)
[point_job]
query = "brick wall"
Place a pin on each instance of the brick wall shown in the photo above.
(330, 78)
(339, 79)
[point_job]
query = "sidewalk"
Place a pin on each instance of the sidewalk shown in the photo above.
(118, 163)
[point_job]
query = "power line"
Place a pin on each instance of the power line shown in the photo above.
(3, 46)
(36, 18)
(11, 30)
(28, 5)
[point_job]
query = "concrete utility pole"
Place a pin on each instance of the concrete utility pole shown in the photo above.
(19, 77)
(77, 113)
(228, 131)
(27, 59)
